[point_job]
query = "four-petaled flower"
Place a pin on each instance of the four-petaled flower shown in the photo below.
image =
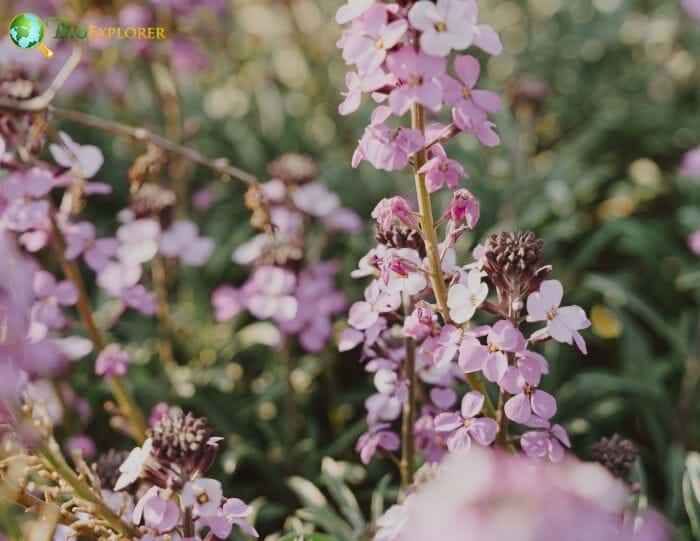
(444, 25)
(464, 299)
(465, 426)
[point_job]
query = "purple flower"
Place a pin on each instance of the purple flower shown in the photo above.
(357, 85)
(692, 8)
(464, 208)
(464, 426)
(140, 299)
(80, 239)
(394, 210)
(421, 322)
(464, 299)
(694, 242)
(377, 437)
(563, 322)
(547, 443)
(418, 73)
(81, 444)
(50, 297)
(182, 240)
(233, 513)
(387, 403)
(527, 399)
(112, 361)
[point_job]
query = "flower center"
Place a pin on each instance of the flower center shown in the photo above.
(415, 80)
(203, 498)
(440, 27)
(379, 43)
(466, 92)
(493, 348)
(552, 314)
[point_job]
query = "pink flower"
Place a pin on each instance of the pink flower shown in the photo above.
(24, 193)
(182, 240)
(116, 277)
(464, 299)
(694, 242)
(377, 437)
(444, 25)
(418, 73)
(157, 512)
(439, 170)
(464, 208)
(80, 239)
(563, 322)
(352, 10)
(395, 210)
(547, 443)
(368, 49)
(421, 322)
(502, 338)
(50, 297)
(233, 513)
(140, 299)
(227, 301)
(270, 294)
(81, 444)
(359, 84)
(387, 403)
(138, 241)
(84, 161)
(112, 361)
(384, 147)
(690, 166)
(364, 314)
(526, 399)
(470, 106)
(464, 426)
(692, 8)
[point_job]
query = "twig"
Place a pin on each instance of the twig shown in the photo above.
(42, 101)
(160, 283)
(408, 419)
(220, 166)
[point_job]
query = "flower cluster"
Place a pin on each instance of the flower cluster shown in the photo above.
(400, 54)
(494, 496)
(287, 283)
(414, 346)
(176, 501)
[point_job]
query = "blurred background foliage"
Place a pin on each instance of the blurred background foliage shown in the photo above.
(604, 99)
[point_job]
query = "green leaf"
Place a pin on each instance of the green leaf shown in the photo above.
(328, 520)
(378, 497)
(345, 499)
(307, 492)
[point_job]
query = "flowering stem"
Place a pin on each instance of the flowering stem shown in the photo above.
(427, 223)
(160, 283)
(57, 464)
(126, 402)
(408, 419)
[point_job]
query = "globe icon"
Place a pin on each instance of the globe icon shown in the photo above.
(27, 32)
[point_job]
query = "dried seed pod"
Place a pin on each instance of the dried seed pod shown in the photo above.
(147, 166)
(616, 453)
(107, 467)
(397, 236)
(154, 201)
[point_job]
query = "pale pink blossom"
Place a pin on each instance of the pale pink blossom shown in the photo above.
(83, 160)
(368, 49)
(138, 241)
(550, 442)
(182, 240)
(690, 166)
(463, 427)
(357, 85)
(418, 73)
(80, 240)
(563, 322)
(527, 399)
(464, 298)
(352, 9)
(444, 25)
(441, 171)
(364, 314)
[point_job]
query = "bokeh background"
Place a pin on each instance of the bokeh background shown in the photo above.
(604, 99)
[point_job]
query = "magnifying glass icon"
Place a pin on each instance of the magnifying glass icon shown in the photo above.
(27, 32)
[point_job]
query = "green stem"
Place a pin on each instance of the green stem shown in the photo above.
(408, 419)
(85, 492)
(427, 223)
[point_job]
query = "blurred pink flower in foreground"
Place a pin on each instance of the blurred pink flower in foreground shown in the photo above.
(692, 8)
(694, 242)
(489, 496)
(690, 166)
